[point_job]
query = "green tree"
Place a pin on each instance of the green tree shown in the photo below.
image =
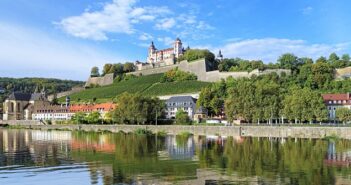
(94, 72)
(343, 114)
(182, 117)
(108, 68)
(93, 117)
(288, 61)
(136, 109)
(128, 67)
(79, 117)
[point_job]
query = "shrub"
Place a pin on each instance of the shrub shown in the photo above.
(182, 118)
(176, 75)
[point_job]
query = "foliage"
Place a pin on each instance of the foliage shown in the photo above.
(195, 54)
(147, 85)
(176, 75)
(136, 109)
(118, 69)
(141, 131)
(182, 118)
(94, 72)
(304, 105)
(238, 64)
(79, 117)
(93, 117)
(343, 114)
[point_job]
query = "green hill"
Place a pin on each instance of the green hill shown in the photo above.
(148, 85)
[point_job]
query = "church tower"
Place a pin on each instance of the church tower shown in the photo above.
(178, 48)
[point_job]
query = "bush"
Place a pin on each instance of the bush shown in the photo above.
(141, 131)
(182, 118)
(195, 54)
(176, 75)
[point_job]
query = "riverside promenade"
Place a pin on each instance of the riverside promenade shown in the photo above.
(242, 131)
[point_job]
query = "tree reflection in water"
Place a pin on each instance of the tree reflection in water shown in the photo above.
(128, 158)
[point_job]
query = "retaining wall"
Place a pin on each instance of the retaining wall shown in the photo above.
(243, 131)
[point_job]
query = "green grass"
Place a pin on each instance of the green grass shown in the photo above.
(147, 85)
(160, 89)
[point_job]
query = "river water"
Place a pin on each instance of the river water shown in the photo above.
(37, 157)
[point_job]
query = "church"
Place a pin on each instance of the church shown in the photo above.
(20, 106)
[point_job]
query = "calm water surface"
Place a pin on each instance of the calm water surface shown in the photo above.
(61, 157)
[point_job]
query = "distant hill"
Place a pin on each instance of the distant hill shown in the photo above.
(147, 85)
(29, 85)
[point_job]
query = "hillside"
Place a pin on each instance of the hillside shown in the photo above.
(148, 85)
(29, 85)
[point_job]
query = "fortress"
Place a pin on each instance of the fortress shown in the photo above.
(161, 61)
(159, 58)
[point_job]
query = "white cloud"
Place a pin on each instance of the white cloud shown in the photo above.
(307, 10)
(166, 40)
(115, 17)
(29, 52)
(145, 36)
(165, 24)
(269, 49)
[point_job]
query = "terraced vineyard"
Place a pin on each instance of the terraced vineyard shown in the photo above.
(148, 85)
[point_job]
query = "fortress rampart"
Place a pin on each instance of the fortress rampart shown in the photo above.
(202, 70)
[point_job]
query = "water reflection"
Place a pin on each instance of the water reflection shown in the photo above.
(105, 158)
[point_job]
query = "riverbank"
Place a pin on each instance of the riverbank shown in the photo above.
(236, 131)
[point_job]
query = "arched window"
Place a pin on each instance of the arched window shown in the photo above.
(12, 107)
(18, 107)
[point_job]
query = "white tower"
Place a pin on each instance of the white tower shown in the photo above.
(178, 48)
(151, 55)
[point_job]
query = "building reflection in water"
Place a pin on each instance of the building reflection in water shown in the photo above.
(28, 147)
(337, 158)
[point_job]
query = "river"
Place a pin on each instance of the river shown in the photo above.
(36, 157)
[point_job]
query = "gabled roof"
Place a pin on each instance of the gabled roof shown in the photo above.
(19, 96)
(37, 97)
(181, 99)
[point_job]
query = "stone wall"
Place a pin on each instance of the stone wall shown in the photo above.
(201, 69)
(66, 93)
(342, 73)
(101, 81)
(243, 131)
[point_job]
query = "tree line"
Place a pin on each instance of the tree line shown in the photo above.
(273, 98)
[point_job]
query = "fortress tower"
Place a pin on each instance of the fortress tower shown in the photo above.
(166, 56)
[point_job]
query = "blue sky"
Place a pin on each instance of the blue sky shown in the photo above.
(64, 39)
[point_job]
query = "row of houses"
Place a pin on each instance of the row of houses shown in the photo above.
(35, 106)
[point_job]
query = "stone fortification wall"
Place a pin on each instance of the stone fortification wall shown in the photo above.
(342, 73)
(101, 81)
(66, 93)
(201, 69)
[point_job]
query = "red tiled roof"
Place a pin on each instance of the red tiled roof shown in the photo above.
(328, 97)
(92, 107)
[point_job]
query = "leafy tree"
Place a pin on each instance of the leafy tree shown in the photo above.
(176, 75)
(322, 72)
(182, 117)
(93, 117)
(108, 68)
(94, 72)
(128, 67)
(343, 114)
(345, 57)
(136, 109)
(79, 117)
(288, 61)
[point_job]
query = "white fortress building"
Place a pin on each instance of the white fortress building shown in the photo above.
(163, 57)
